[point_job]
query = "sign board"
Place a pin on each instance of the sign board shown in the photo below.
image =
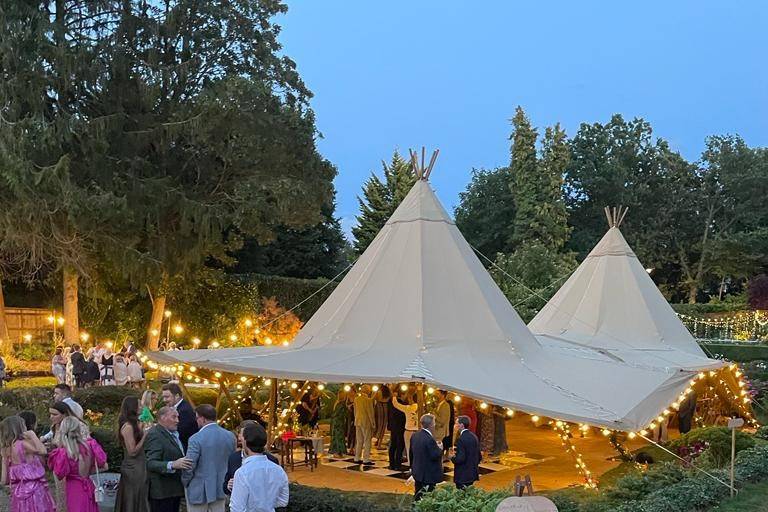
(735, 422)
(526, 504)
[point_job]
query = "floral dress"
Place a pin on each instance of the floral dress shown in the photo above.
(29, 488)
(339, 421)
(79, 489)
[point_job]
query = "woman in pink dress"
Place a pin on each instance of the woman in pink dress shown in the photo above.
(22, 469)
(73, 461)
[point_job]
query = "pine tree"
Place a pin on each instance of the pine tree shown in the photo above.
(381, 199)
(525, 178)
(537, 266)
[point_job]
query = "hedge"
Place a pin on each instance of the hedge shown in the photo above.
(312, 499)
(741, 353)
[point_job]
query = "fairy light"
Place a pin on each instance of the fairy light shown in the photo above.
(566, 439)
(347, 388)
(535, 418)
(404, 387)
(248, 322)
(322, 387)
(267, 340)
(457, 399)
(294, 385)
(233, 337)
(483, 405)
(375, 388)
(430, 390)
(27, 337)
(84, 336)
(510, 412)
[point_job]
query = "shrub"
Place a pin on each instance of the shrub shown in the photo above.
(762, 432)
(108, 440)
(32, 351)
(638, 484)
(311, 499)
(447, 498)
(104, 399)
(719, 440)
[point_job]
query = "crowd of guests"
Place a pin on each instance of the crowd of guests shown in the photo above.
(361, 417)
(68, 451)
(176, 454)
(98, 366)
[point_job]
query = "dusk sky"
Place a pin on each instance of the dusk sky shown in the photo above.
(449, 74)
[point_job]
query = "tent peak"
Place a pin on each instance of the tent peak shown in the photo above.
(423, 171)
(615, 215)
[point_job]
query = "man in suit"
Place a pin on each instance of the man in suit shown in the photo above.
(426, 457)
(208, 452)
(467, 456)
(364, 423)
(235, 460)
(396, 427)
(165, 461)
(172, 397)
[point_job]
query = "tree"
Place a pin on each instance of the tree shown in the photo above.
(621, 163)
(188, 115)
(49, 61)
(525, 177)
(316, 251)
(381, 198)
(757, 293)
(486, 211)
(535, 268)
(721, 224)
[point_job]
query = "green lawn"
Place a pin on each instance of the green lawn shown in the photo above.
(28, 382)
(752, 498)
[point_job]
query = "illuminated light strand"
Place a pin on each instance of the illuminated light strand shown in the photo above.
(563, 431)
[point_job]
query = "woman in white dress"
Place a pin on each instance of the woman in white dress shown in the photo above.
(59, 366)
(121, 370)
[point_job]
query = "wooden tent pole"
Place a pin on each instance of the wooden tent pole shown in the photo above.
(185, 393)
(272, 420)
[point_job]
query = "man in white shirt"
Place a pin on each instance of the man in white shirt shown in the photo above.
(63, 393)
(260, 485)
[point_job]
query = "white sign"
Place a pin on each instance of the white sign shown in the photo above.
(735, 423)
(526, 504)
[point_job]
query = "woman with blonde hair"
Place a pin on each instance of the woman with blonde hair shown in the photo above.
(73, 461)
(21, 467)
(148, 399)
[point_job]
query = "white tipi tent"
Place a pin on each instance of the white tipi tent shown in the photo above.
(611, 305)
(419, 306)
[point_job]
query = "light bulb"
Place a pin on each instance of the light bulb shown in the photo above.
(347, 388)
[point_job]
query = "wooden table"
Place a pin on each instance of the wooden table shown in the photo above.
(310, 455)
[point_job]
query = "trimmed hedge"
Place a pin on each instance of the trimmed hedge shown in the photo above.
(312, 499)
(447, 498)
(741, 353)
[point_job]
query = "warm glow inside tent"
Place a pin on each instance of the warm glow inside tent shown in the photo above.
(419, 306)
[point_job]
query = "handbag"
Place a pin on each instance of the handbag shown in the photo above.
(98, 492)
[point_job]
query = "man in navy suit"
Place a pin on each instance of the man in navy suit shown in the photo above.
(426, 457)
(467, 456)
(187, 419)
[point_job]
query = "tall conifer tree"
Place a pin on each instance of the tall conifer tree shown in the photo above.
(381, 198)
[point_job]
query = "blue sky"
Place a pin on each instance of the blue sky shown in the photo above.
(447, 74)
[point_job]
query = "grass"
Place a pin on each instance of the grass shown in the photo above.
(752, 497)
(610, 477)
(28, 382)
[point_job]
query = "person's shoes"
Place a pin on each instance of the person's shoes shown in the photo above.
(369, 463)
(357, 461)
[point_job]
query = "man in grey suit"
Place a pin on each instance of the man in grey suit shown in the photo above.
(209, 450)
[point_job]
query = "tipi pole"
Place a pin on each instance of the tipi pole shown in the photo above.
(272, 421)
